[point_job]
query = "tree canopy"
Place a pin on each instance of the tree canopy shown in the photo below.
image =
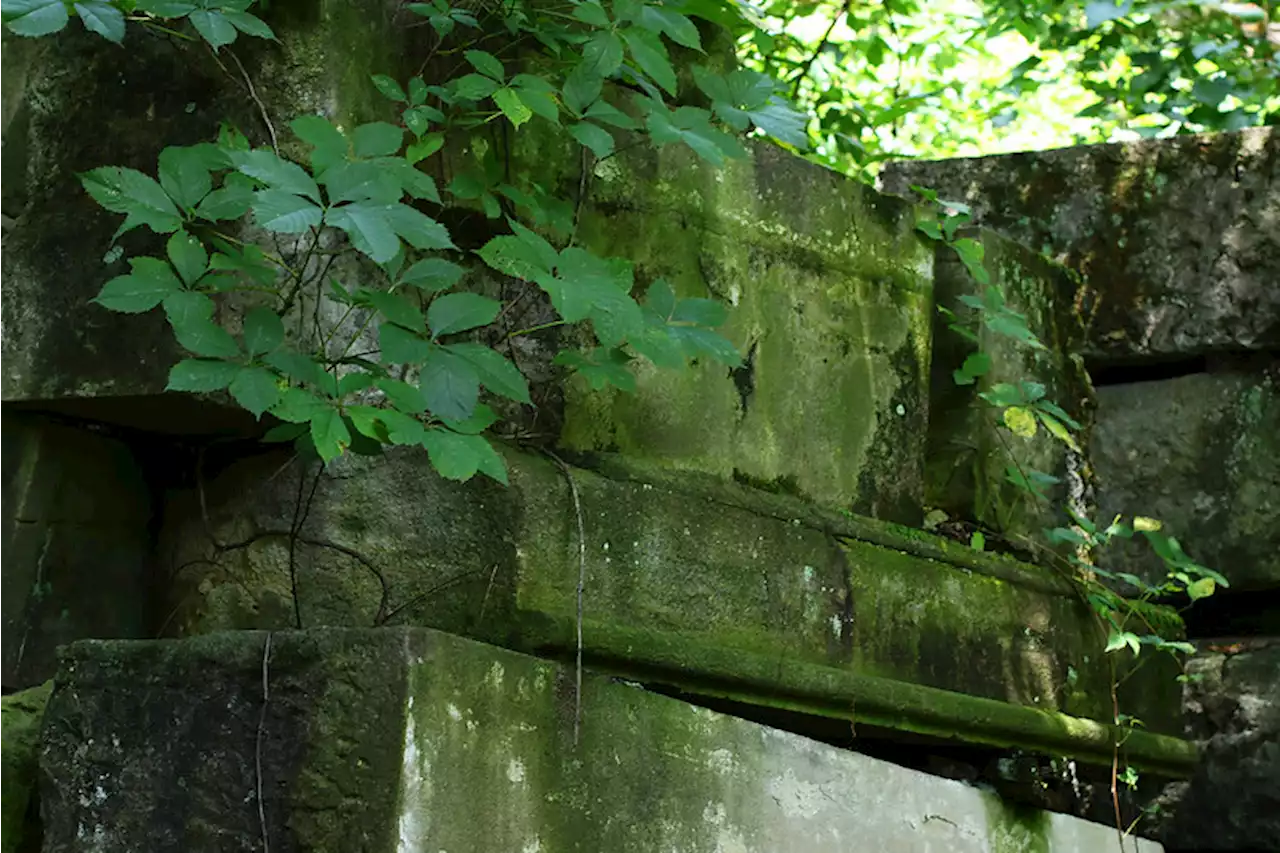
(906, 78)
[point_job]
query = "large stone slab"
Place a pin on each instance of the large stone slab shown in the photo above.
(416, 740)
(720, 588)
(1202, 454)
(973, 457)
(1178, 239)
(829, 294)
(75, 102)
(76, 542)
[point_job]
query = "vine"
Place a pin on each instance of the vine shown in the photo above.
(1022, 408)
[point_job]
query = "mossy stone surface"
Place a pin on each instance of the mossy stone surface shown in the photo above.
(22, 714)
(1177, 240)
(411, 739)
(1201, 453)
(719, 569)
(829, 296)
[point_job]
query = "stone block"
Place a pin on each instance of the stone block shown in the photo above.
(707, 582)
(76, 542)
(406, 739)
(1201, 453)
(972, 455)
(829, 296)
(1178, 240)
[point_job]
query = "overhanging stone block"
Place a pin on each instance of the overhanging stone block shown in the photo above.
(678, 571)
(410, 739)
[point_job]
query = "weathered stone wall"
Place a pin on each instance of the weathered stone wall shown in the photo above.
(417, 740)
(77, 538)
(1177, 240)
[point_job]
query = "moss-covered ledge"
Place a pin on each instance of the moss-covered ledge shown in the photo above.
(684, 661)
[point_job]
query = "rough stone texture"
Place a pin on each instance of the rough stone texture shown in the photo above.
(686, 576)
(1178, 239)
(970, 450)
(1202, 454)
(76, 542)
(1233, 800)
(76, 102)
(829, 290)
(417, 740)
(22, 714)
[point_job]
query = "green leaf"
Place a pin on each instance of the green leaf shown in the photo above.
(418, 229)
(284, 212)
(588, 286)
(190, 314)
(602, 54)
(495, 372)
(1202, 588)
(328, 145)
(450, 385)
(405, 397)
(459, 457)
(229, 202)
(184, 174)
(1020, 421)
(250, 25)
(975, 365)
(486, 63)
(35, 18)
(606, 113)
(389, 88)
(377, 139)
(198, 375)
(102, 18)
(424, 148)
(395, 308)
(457, 312)
(599, 140)
(256, 389)
(592, 13)
(401, 346)
(297, 406)
(433, 275)
(278, 174)
(361, 181)
(128, 191)
(651, 55)
(213, 27)
(474, 87)
(700, 312)
(150, 282)
(481, 419)
(367, 226)
(263, 331)
(283, 432)
(248, 261)
(330, 434)
(601, 368)
(188, 256)
(677, 27)
(977, 541)
(582, 88)
(698, 342)
(512, 107)
(519, 258)
(417, 91)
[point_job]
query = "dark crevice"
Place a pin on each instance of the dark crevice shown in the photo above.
(1156, 369)
(1125, 374)
(1234, 613)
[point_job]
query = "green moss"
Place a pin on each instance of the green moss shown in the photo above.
(1015, 828)
(22, 714)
